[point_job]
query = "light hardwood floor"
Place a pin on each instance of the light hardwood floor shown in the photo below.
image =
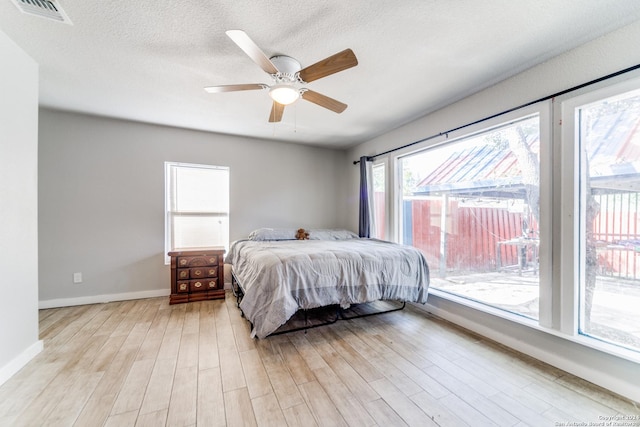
(146, 363)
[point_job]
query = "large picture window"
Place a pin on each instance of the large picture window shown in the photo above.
(535, 218)
(197, 206)
(608, 149)
(472, 206)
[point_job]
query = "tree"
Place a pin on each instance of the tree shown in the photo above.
(529, 166)
(517, 139)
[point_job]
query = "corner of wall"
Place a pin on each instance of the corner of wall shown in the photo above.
(11, 368)
(18, 219)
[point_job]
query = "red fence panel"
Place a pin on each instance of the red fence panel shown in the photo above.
(472, 235)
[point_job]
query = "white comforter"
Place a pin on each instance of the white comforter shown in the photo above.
(280, 277)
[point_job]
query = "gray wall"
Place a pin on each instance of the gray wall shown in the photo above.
(608, 54)
(102, 198)
(18, 208)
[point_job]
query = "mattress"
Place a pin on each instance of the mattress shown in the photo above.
(280, 277)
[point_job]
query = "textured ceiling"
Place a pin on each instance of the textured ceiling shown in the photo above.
(149, 60)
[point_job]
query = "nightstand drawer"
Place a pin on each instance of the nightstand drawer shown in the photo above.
(203, 285)
(199, 272)
(197, 261)
(183, 287)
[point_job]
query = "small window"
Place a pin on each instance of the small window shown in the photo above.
(379, 201)
(196, 206)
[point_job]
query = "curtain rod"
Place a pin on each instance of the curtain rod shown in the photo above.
(562, 92)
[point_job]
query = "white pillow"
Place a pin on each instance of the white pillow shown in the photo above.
(331, 234)
(273, 234)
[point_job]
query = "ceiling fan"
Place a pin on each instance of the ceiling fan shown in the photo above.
(289, 77)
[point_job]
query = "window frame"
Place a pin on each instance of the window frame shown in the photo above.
(569, 188)
(169, 214)
(544, 111)
(559, 182)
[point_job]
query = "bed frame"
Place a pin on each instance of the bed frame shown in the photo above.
(322, 316)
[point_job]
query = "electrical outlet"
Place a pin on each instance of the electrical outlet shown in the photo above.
(77, 277)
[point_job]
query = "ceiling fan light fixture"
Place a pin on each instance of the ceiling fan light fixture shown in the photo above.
(284, 94)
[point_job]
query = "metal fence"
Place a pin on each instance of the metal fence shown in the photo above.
(615, 230)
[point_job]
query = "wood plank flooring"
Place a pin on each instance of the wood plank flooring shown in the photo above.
(145, 363)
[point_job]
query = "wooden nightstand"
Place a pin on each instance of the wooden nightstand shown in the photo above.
(197, 274)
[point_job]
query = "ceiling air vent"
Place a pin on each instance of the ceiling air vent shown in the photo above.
(44, 9)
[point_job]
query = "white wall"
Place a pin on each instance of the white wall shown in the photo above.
(18, 208)
(102, 198)
(608, 54)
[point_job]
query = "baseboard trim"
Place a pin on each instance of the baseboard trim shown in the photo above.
(101, 299)
(19, 362)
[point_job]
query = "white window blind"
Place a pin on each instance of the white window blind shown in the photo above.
(196, 205)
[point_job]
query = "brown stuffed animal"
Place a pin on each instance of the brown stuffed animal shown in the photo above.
(302, 234)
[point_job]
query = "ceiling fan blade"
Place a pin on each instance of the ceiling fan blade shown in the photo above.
(331, 65)
(276, 112)
(324, 101)
(234, 88)
(252, 50)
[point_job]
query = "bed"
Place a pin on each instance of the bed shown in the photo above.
(278, 275)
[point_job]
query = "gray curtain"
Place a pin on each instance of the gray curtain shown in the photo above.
(365, 209)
